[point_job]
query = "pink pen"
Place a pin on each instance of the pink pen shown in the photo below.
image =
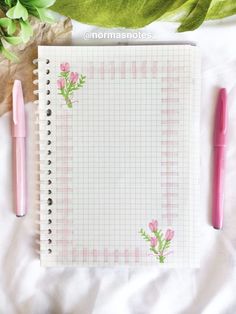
(19, 149)
(219, 141)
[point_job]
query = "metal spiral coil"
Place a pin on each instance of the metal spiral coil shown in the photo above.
(42, 171)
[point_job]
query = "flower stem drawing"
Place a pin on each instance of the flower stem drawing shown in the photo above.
(159, 243)
(68, 82)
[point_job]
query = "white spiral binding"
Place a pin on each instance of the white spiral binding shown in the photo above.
(42, 194)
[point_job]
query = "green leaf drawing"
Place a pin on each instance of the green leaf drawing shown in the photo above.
(160, 237)
(138, 13)
(145, 236)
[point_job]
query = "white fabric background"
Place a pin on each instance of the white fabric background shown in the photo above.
(25, 287)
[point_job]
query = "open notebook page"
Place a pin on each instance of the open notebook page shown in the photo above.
(119, 155)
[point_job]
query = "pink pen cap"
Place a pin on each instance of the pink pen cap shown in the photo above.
(219, 142)
(18, 107)
(19, 149)
(221, 119)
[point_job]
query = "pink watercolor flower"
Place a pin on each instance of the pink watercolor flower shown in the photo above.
(61, 83)
(153, 241)
(169, 234)
(74, 77)
(65, 67)
(153, 225)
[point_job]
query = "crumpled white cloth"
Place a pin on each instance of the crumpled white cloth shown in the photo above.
(25, 287)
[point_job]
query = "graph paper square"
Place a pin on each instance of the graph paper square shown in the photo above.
(125, 154)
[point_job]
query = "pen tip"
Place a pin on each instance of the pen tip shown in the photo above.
(17, 83)
(19, 216)
(223, 91)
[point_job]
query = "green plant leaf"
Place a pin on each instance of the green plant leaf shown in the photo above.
(220, 9)
(139, 13)
(8, 24)
(5, 21)
(196, 16)
(26, 31)
(9, 55)
(179, 11)
(39, 3)
(8, 2)
(44, 15)
(177, 4)
(115, 13)
(13, 40)
(17, 12)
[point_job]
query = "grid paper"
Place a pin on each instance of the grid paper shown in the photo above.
(126, 153)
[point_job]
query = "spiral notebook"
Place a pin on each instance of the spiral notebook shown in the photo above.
(119, 155)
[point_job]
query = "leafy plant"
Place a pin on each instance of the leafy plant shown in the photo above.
(15, 27)
(138, 13)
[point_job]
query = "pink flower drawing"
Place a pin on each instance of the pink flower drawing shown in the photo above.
(65, 67)
(61, 83)
(74, 77)
(153, 241)
(158, 243)
(153, 225)
(68, 82)
(169, 234)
